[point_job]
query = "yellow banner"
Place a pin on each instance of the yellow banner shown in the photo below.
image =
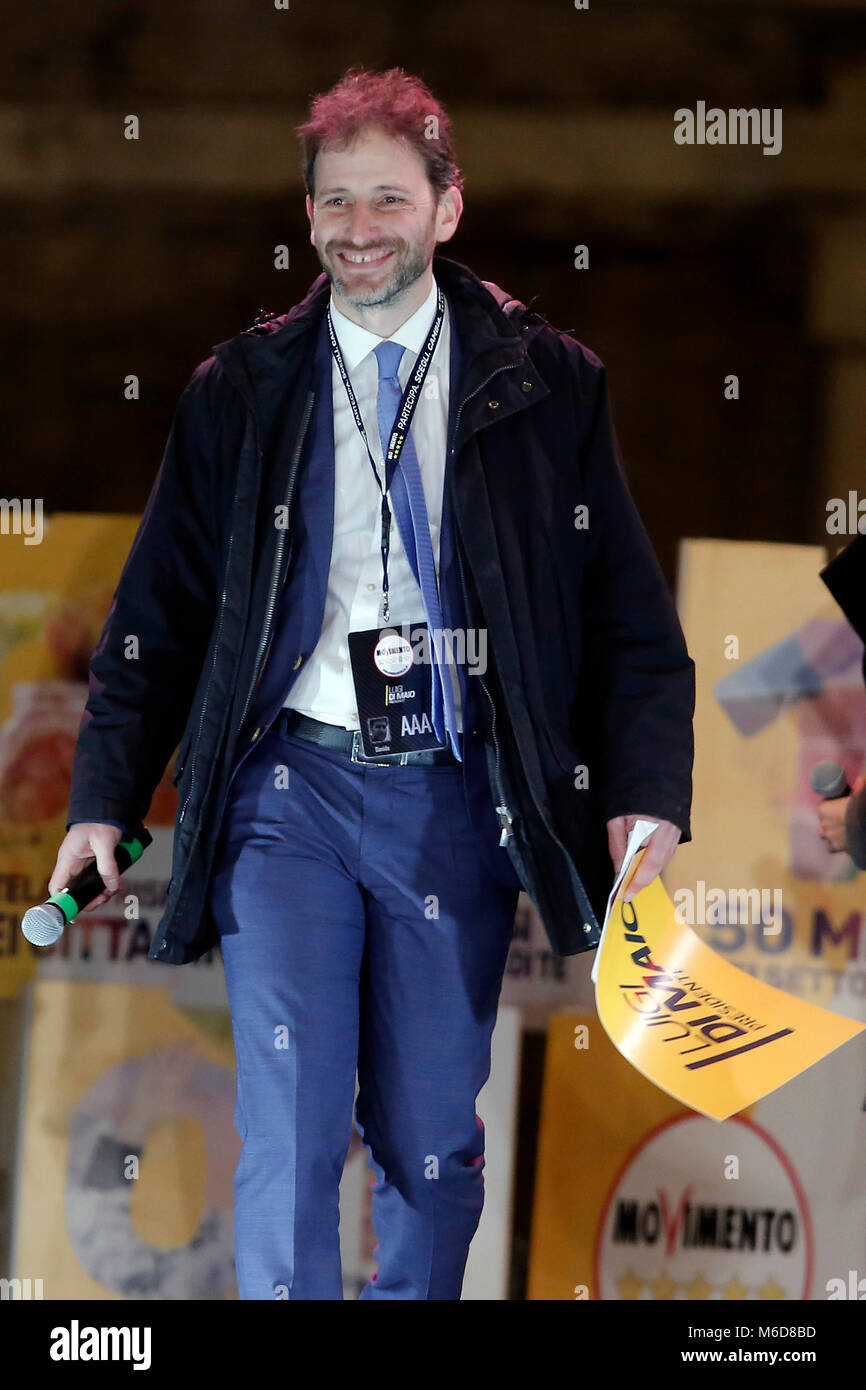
(54, 597)
(124, 1186)
(706, 1032)
(779, 689)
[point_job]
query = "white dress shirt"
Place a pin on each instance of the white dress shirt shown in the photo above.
(323, 688)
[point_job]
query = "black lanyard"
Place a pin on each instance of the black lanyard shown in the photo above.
(402, 422)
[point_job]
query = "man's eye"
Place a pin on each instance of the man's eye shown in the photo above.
(392, 198)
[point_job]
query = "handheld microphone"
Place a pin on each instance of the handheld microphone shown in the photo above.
(45, 924)
(828, 780)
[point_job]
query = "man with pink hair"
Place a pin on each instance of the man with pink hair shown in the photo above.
(394, 598)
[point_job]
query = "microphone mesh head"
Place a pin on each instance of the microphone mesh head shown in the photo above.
(828, 779)
(43, 925)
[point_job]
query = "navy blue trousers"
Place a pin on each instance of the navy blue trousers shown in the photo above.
(364, 920)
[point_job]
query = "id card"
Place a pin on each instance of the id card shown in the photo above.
(393, 692)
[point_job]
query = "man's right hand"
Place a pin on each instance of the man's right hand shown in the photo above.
(90, 839)
(832, 818)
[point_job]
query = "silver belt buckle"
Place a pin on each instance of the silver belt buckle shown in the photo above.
(357, 755)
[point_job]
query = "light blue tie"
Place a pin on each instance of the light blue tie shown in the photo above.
(407, 496)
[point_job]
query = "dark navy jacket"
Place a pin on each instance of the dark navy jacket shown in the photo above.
(541, 545)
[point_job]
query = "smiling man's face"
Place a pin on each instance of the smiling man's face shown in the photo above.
(375, 222)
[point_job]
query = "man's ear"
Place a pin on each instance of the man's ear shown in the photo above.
(448, 213)
(308, 204)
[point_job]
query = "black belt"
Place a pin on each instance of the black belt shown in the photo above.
(349, 741)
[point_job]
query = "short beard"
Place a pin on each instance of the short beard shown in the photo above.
(409, 268)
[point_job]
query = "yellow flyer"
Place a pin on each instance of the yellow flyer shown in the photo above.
(709, 1034)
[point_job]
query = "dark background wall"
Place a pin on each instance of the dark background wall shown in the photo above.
(135, 257)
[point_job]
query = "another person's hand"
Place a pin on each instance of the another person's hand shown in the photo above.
(89, 840)
(831, 819)
(658, 854)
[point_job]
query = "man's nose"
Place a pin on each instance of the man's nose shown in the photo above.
(363, 227)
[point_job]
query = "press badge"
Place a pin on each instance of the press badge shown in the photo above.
(393, 691)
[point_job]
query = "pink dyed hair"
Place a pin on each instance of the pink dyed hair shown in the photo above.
(394, 101)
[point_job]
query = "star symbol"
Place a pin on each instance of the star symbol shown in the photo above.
(699, 1288)
(734, 1289)
(770, 1290)
(663, 1287)
(629, 1285)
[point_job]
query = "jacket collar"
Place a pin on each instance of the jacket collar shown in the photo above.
(265, 359)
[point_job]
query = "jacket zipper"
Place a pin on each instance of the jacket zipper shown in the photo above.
(271, 604)
(506, 819)
(278, 557)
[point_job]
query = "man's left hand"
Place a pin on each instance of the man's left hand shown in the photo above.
(657, 855)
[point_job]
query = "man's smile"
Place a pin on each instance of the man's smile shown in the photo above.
(364, 258)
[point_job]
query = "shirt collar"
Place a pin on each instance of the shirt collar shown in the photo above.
(356, 342)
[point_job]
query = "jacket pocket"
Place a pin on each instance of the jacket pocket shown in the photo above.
(563, 751)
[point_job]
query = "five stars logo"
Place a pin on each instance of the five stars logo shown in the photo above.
(674, 1226)
(631, 1286)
